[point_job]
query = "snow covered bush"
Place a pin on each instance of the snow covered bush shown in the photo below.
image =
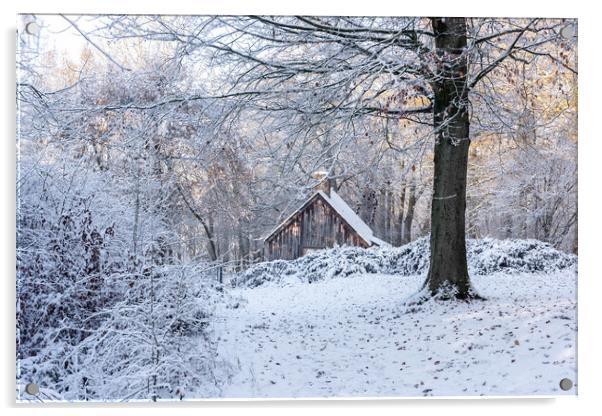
(516, 256)
(154, 343)
(105, 309)
(485, 256)
(318, 265)
(64, 256)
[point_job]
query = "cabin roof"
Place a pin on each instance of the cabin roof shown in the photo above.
(344, 210)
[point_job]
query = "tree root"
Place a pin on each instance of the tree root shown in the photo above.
(425, 295)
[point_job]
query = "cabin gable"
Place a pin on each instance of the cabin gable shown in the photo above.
(316, 225)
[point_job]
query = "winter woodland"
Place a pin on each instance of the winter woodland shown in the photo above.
(155, 154)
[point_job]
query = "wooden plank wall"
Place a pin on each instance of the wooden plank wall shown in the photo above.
(317, 226)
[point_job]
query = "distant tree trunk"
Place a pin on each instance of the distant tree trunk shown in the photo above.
(390, 214)
(382, 211)
(212, 247)
(207, 225)
(508, 226)
(243, 244)
(397, 239)
(409, 216)
(448, 270)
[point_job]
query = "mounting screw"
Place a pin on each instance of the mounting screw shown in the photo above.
(566, 384)
(568, 32)
(32, 28)
(32, 388)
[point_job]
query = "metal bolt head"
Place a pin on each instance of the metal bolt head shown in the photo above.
(566, 384)
(32, 388)
(32, 28)
(568, 32)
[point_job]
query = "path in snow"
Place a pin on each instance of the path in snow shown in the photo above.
(350, 337)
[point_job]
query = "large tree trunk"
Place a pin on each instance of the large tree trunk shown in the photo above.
(448, 271)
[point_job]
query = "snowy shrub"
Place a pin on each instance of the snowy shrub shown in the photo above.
(95, 321)
(319, 265)
(516, 256)
(484, 257)
(63, 259)
(153, 344)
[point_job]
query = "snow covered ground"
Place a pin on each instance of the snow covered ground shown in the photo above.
(354, 337)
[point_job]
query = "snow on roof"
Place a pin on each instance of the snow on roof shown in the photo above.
(349, 215)
(346, 212)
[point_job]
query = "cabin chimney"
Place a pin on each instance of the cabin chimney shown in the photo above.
(324, 182)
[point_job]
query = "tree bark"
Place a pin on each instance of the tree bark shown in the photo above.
(409, 217)
(390, 215)
(448, 270)
(381, 213)
(398, 240)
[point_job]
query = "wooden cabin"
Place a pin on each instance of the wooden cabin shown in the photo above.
(324, 220)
